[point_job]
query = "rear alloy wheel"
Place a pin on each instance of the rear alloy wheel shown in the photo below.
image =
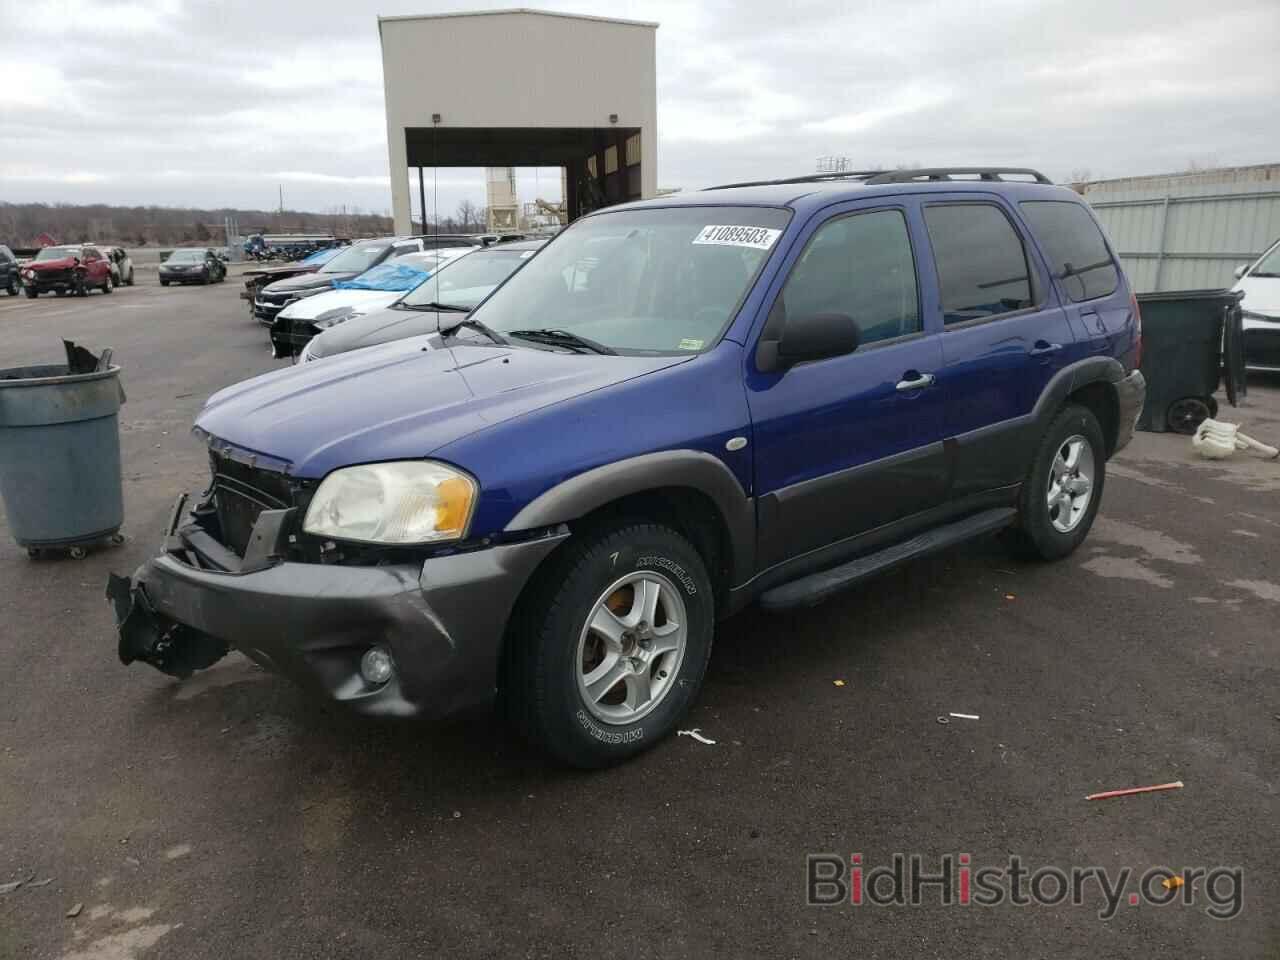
(129, 282)
(610, 644)
(12, 289)
(1060, 496)
(108, 284)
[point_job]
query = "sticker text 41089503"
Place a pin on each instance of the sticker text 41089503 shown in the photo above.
(758, 238)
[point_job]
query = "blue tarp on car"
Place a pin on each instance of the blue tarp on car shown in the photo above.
(387, 276)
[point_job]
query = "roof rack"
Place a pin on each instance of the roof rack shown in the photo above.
(949, 173)
(807, 178)
(897, 176)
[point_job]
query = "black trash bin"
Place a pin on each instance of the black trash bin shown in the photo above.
(1183, 356)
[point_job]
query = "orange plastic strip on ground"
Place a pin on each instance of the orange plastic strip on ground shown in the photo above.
(1176, 785)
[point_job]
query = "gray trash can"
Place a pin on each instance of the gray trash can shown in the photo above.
(60, 456)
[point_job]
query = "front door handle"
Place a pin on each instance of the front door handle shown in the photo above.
(915, 381)
(1043, 348)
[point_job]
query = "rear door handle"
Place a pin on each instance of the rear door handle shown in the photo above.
(915, 381)
(1043, 348)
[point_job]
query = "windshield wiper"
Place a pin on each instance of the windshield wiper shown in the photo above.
(563, 338)
(439, 307)
(484, 328)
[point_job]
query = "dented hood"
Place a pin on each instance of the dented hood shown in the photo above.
(401, 400)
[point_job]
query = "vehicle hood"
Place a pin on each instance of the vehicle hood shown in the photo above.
(1261, 295)
(64, 263)
(335, 303)
(401, 400)
(281, 272)
(375, 327)
(308, 281)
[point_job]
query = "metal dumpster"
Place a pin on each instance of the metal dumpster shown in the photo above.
(1190, 343)
(60, 456)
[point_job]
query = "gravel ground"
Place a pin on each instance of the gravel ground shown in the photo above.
(229, 816)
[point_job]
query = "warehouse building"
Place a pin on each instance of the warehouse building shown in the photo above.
(1189, 231)
(522, 88)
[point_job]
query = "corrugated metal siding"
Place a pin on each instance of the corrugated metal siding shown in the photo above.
(1189, 231)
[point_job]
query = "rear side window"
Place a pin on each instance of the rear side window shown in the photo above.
(860, 265)
(1073, 243)
(982, 267)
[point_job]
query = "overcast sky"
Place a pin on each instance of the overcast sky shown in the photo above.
(214, 103)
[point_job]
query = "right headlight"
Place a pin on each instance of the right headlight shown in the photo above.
(399, 503)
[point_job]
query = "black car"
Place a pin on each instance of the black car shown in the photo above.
(447, 297)
(8, 271)
(192, 265)
(352, 262)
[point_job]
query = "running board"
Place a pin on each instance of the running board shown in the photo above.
(816, 587)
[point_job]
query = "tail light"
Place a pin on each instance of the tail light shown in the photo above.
(1137, 329)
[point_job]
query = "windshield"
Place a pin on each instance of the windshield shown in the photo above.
(57, 253)
(665, 280)
(186, 256)
(356, 259)
(404, 273)
(468, 280)
(1268, 265)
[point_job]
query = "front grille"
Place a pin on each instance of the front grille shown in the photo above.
(240, 493)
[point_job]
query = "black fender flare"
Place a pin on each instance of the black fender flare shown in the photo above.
(592, 489)
(1070, 379)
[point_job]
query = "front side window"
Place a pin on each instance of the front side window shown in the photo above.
(1074, 246)
(1268, 264)
(642, 281)
(982, 266)
(859, 265)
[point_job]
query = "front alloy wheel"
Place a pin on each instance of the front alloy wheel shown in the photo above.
(631, 648)
(608, 647)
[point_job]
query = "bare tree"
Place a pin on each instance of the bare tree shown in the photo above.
(467, 214)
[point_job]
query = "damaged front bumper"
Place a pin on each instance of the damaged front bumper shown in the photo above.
(443, 620)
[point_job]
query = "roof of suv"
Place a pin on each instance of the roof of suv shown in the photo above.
(808, 193)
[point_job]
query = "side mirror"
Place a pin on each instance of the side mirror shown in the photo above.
(1241, 270)
(815, 337)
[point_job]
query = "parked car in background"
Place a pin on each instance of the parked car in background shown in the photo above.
(68, 268)
(352, 262)
(258, 277)
(761, 393)
(1260, 284)
(121, 265)
(452, 292)
(297, 323)
(192, 265)
(9, 271)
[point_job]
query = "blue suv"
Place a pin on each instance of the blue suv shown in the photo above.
(759, 393)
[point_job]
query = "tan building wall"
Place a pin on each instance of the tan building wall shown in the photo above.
(519, 68)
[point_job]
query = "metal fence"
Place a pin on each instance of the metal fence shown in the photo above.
(1189, 231)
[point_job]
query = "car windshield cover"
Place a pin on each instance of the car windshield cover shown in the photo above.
(57, 253)
(356, 259)
(186, 256)
(641, 281)
(396, 275)
(468, 280)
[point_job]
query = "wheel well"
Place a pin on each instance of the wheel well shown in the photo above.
(1101, 400)
(689, 512)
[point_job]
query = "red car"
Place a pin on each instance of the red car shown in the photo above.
(70, 268)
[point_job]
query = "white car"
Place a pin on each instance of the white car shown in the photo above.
(378, 287)
(1260, 283)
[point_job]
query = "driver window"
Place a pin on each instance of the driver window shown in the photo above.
(859, 265)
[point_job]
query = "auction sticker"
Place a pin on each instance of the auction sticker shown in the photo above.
(757, 238)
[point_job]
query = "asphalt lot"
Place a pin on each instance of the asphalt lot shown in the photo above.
(231, 817)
